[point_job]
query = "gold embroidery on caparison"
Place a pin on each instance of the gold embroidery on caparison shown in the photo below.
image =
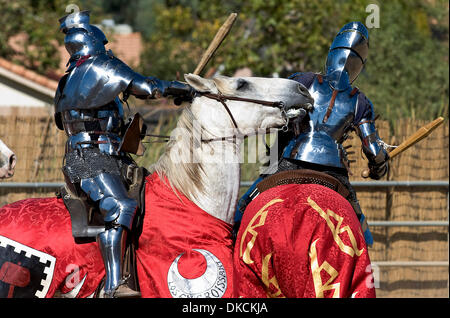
(319, 288)
(262, 214)
(360, 233)
(336, 230)
(273, 281)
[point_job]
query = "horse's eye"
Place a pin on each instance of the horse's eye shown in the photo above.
(241, 84)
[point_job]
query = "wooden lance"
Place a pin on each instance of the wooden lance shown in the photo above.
(420, 134)
(215, 43)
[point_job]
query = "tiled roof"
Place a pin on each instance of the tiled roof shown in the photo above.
(28, 74)
(127, 47)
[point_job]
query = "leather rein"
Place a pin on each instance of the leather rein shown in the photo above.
(223, 98)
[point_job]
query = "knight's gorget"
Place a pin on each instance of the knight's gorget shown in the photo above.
(321, 141)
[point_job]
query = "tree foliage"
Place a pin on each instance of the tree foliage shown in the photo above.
(182, 33)
(30, 33)
(407, 69)
(31, 25)
(406, 73)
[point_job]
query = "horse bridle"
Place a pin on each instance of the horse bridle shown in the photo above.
(223, 98)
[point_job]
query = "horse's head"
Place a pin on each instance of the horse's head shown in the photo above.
(251, 105)
(203, 155)
(7, 161)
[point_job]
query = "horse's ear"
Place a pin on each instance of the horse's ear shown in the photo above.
(226, 85)
(201, 84)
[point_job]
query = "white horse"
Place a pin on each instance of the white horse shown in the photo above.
(213, 181)
(7, 161)
(185, 248)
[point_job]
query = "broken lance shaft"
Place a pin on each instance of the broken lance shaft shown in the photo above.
(215, 43)
(420, 134)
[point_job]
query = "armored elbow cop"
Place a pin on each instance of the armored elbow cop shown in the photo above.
(374, 151)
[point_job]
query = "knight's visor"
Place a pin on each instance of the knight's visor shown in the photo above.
(353, 40)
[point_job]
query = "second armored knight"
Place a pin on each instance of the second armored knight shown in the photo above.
(339, 108)
(89, 110)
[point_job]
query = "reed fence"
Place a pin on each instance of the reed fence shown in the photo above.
(39, 146)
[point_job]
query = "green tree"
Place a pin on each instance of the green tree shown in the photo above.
(181, 35)
(122, 11)
(145, 17)
(34, 25)
(407, 69)
(406, 73)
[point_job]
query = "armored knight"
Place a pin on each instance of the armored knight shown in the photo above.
(89, 110)
(338, 109)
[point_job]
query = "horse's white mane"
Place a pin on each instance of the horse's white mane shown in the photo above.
(185, 177)
(208, 173)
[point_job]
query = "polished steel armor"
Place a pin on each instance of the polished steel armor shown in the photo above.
(320, 143)
(316, 142)
(89, 110)
(347, 55)
(339, 108)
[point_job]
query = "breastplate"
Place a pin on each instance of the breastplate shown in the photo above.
(321, 142)
(93, 83)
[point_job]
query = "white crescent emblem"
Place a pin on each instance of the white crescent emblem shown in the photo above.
(211, 284)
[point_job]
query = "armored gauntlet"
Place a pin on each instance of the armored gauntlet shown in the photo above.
(378, 170)
(372, 148)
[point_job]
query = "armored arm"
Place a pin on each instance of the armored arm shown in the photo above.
(151, 87)
(305, 78)
(371, 142)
